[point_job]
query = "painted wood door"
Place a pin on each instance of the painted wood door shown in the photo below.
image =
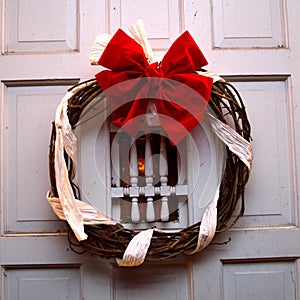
(45, 48)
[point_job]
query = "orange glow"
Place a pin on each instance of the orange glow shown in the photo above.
(141, 165)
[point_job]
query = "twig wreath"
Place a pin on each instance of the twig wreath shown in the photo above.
(90, 230)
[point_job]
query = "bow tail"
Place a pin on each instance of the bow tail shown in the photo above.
(178, 123)
(181, 107)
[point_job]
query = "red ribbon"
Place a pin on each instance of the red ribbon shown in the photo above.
(180, 94)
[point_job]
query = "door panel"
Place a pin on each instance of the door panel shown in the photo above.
(31, 283)
(162, 281)
(168, 19)
(45, 49)
(272, 201)
(265, 29)
(41, 26)
(29, 113)
(264, 280)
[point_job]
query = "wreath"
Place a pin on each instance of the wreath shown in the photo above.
(90, 230)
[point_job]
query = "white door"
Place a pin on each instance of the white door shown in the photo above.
(45, 49)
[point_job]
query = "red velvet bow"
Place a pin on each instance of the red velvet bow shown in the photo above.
(180, 94)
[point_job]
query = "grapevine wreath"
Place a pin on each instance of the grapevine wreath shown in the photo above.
(89, 229)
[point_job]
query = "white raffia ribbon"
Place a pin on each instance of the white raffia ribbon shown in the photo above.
(208, 225)
(90, 215)
(98, 46)
(243, 149)
(236, 143)
(139, 33)
(137, 249)
(66, 141)
(212, 75)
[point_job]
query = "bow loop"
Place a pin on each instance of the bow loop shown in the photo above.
(184, 56)
(123, 53)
